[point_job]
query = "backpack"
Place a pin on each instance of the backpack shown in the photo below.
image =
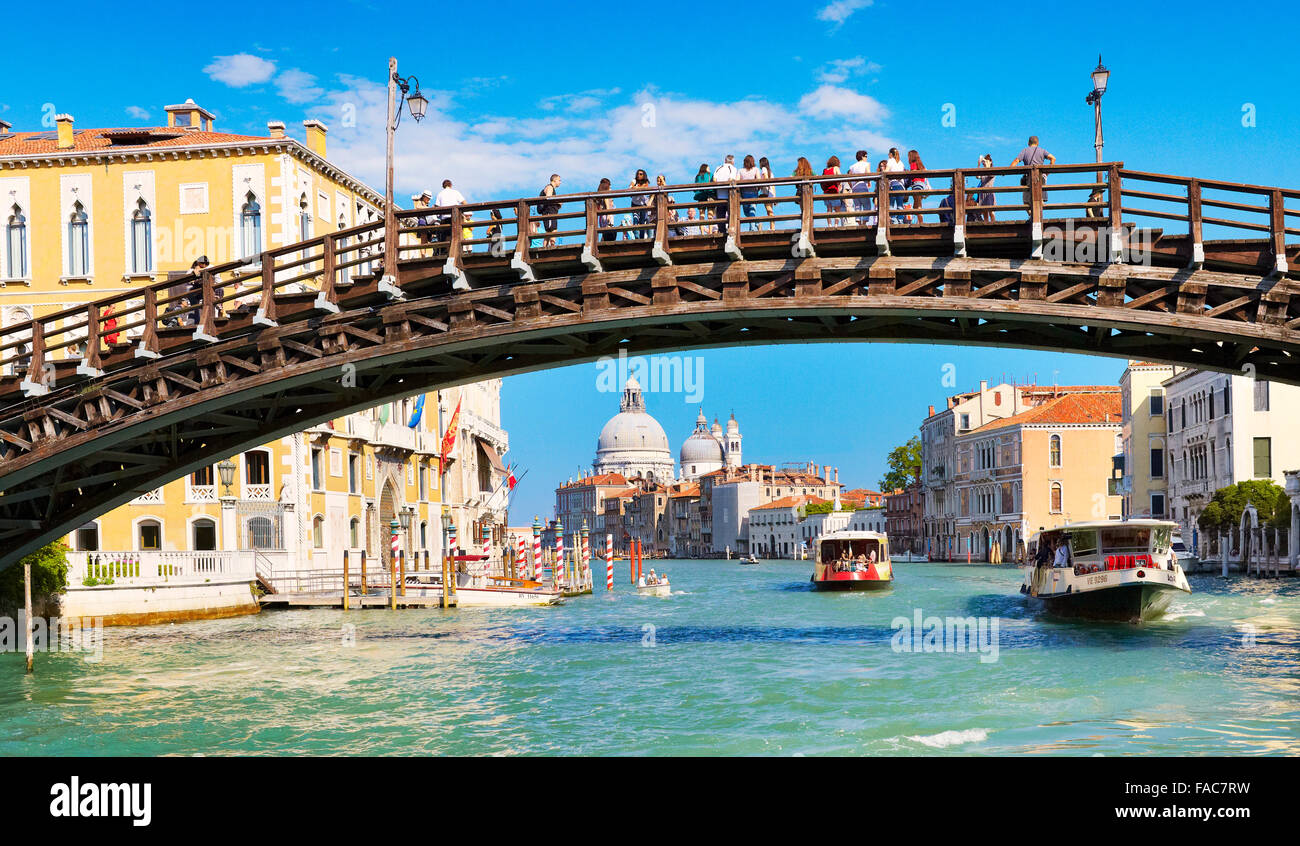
(830, 187)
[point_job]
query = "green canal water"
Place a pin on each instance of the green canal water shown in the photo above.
(738, 661)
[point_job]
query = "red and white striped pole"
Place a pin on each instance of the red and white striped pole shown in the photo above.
(537, 548)
(487, 550)
(557, 571)
(521, 560)
(586, 554)
(609, 562)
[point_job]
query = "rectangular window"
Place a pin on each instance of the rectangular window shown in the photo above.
(1157, 402)
(317, 474)
(1157, 462)
(354, 475)
(336, 462)
(1157, 505)
(1263, 457)
(150, 536)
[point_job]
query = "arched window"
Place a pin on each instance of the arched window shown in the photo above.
(78, 241)
(354, 533)
(149, 534)
(141, 238)
(424, 535)
(250, 226)
(204, 533)
(318, 532)
(1054, 450)
(16, 244)
(88, 537)
(1056, 498)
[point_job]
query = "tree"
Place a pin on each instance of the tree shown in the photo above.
(904, 461)
(49, 574)
(1223, 512)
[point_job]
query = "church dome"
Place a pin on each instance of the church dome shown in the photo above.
(632, 442)
(701, 452)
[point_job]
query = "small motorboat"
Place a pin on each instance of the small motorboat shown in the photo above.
(749, 559)
(654, 586)
(852, 560)
(1125, 571)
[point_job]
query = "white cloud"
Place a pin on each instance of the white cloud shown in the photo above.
(838, 11)
(495, 156)
(240, 70)
(298, 86)
(830, 101)
(137, 112)
(840, 70)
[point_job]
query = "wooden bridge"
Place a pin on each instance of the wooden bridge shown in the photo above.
(107, 400)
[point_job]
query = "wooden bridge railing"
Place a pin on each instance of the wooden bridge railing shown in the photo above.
(651, 224)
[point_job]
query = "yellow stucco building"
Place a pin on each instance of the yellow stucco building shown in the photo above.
(89, 212)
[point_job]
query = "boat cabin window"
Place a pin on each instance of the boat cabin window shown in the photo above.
(1083, 542)
(834, 550)
(1126, 540)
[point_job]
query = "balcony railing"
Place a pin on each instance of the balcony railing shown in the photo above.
(144, 568)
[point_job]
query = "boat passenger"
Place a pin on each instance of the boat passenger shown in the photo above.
(1062, 554)
(860, 563)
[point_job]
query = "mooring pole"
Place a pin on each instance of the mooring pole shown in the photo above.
(27, 613)
(345, 580)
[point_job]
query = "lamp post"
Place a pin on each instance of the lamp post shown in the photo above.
(416, 103)
(226, 470)
(226, 473)
(1100, 76)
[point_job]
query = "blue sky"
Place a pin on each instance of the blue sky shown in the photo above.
(521, 90)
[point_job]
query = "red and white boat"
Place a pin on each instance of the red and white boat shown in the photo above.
(852, 560)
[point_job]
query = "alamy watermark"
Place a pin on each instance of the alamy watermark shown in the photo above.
(54, 634)
(1092, 245)
(667, 374)
(947, 634)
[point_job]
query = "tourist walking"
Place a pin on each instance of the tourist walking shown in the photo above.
(447, 198)
(984, 199)
(1031, 156)
(917, 184)
(894, 164)
(547, 208)
(833, 202)
(749, 172)
(860, 186)
(725, 173)
(640, 202)
(703, 175)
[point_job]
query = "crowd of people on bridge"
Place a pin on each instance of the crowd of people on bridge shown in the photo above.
(849, 201)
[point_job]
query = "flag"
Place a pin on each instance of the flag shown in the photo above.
(449, 438)
(511, 481)
(419, 412)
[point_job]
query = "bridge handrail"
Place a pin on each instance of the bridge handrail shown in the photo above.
(319, 267)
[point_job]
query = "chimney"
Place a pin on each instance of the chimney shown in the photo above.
(931, 411)
(316, 136)
(5, 126)
(984, 385)
(837, 475)
(64, 123)
(275, 128)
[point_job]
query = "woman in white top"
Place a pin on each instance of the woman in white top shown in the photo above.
(892, 164)
(748, 173)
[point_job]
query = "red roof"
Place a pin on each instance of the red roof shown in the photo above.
(1073, 408)
(599, 479)
(789, 502)
(120, 138)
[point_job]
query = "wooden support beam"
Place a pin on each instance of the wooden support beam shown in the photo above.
(327, 298)
(1197, 259)
(731, 246)
(519, 261)
(1277, 231)
(266, 310)
(958, 213)
(882, 215)
(1115, 228)
(1035, 213)
(803, 247)
(90, 360)
(205, 329)
(659, 249)
(36, 384)
(591, 237)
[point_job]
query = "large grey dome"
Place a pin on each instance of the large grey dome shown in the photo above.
(632, 442)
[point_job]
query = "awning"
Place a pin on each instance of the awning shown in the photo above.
(491, 453)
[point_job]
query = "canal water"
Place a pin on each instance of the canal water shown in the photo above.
(738, 661)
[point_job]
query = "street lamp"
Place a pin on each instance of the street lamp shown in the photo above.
(1100, 76)
(226, 470)
(404, 518)
(417, 103)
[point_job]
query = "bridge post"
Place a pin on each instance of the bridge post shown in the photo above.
(1115, 194)
(206, 328)
(804, 246)
(90, 360)
(451, 267)
(148, 346)
(882, 215)
(327, 297)
(591, 237)
(1277, 231)
(266, 313)
(34, 385)
(959, 214)
(731, 246)
(1035, 213)
(1194, 224)
(519, 261)
(659, 249)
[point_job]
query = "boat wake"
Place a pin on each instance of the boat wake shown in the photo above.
(944, 739)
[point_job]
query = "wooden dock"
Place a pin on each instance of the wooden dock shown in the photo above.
(334, 599)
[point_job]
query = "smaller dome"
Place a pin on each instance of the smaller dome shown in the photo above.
(733, 428)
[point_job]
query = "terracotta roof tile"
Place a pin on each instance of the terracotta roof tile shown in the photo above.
(118, 138)
(1099, 407)
(789, 502)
